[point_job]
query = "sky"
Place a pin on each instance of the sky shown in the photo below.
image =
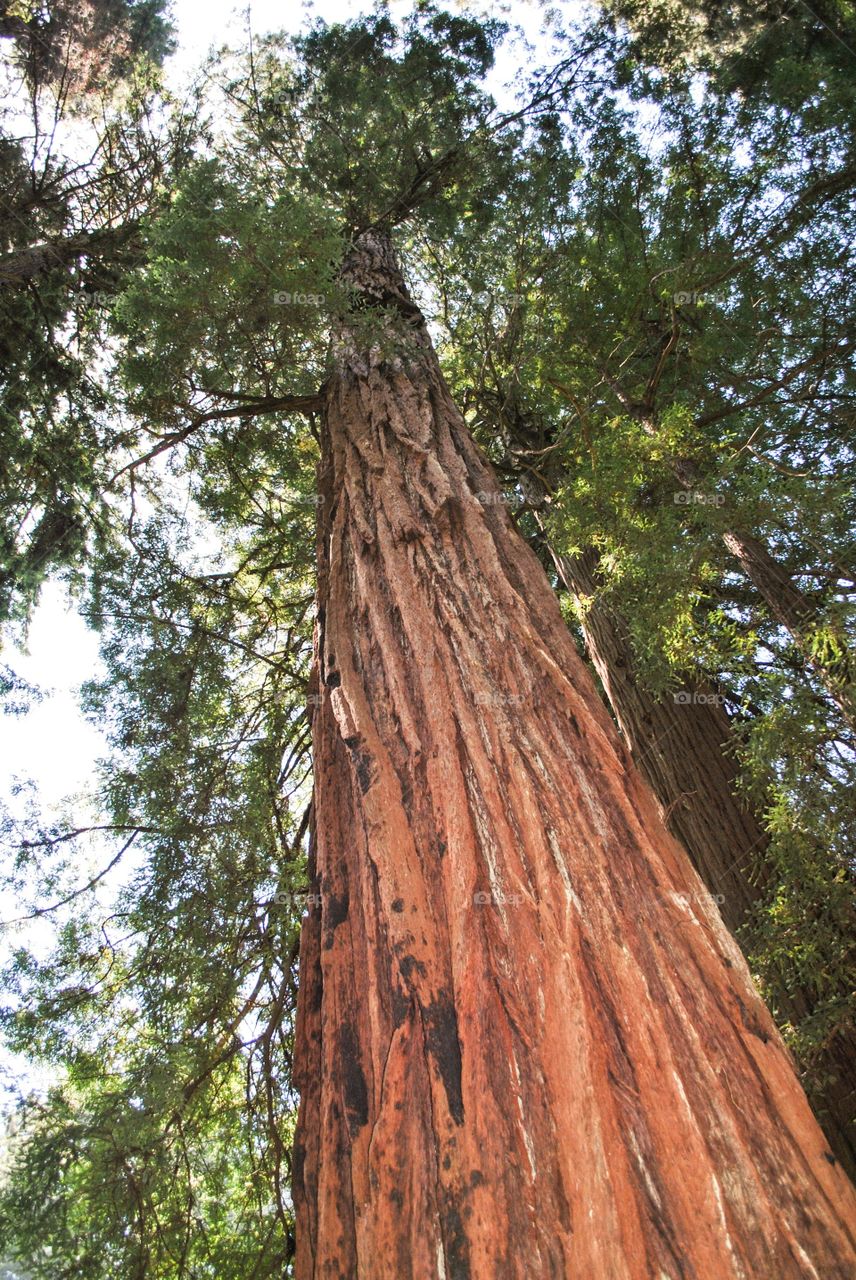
(53, 743)
(205, 23)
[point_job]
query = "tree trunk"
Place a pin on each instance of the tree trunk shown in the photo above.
(526, 1044)
(787, 605)
(683, 744)
(22, 265)
(796, 614)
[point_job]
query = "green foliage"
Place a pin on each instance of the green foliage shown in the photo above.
(785, 51)
(133, 1179)
(803, 941)
(78, 47)
(70, 235)
(237, 290)
(163, 1148)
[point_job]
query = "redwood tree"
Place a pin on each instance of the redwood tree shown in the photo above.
(526, 1043)
(683, 744)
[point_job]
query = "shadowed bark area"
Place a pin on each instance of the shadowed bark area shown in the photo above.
(684, 747)
(526, 1045)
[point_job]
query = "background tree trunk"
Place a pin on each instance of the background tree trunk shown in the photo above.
(526, 1046)
(783, 598)
(787, 604)
(796, 614)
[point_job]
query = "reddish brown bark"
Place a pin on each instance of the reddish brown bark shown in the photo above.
(526, 1044)
(683, 744)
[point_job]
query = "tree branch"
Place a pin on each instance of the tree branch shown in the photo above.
(246, 409)
(63, 902)
(843, 349)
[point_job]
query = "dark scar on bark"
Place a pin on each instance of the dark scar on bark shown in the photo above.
(400, 1006)
(752, 1022)
(441, 1035)
(455, 1243)
(298, 1160)
(337, 910)
(334, 913)
(361, 760)
(409, 965)
(354, 1082)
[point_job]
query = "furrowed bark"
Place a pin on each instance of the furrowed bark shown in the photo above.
(526, 1044)
(684, 747)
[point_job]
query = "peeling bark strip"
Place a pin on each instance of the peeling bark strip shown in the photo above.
(513, 1060)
